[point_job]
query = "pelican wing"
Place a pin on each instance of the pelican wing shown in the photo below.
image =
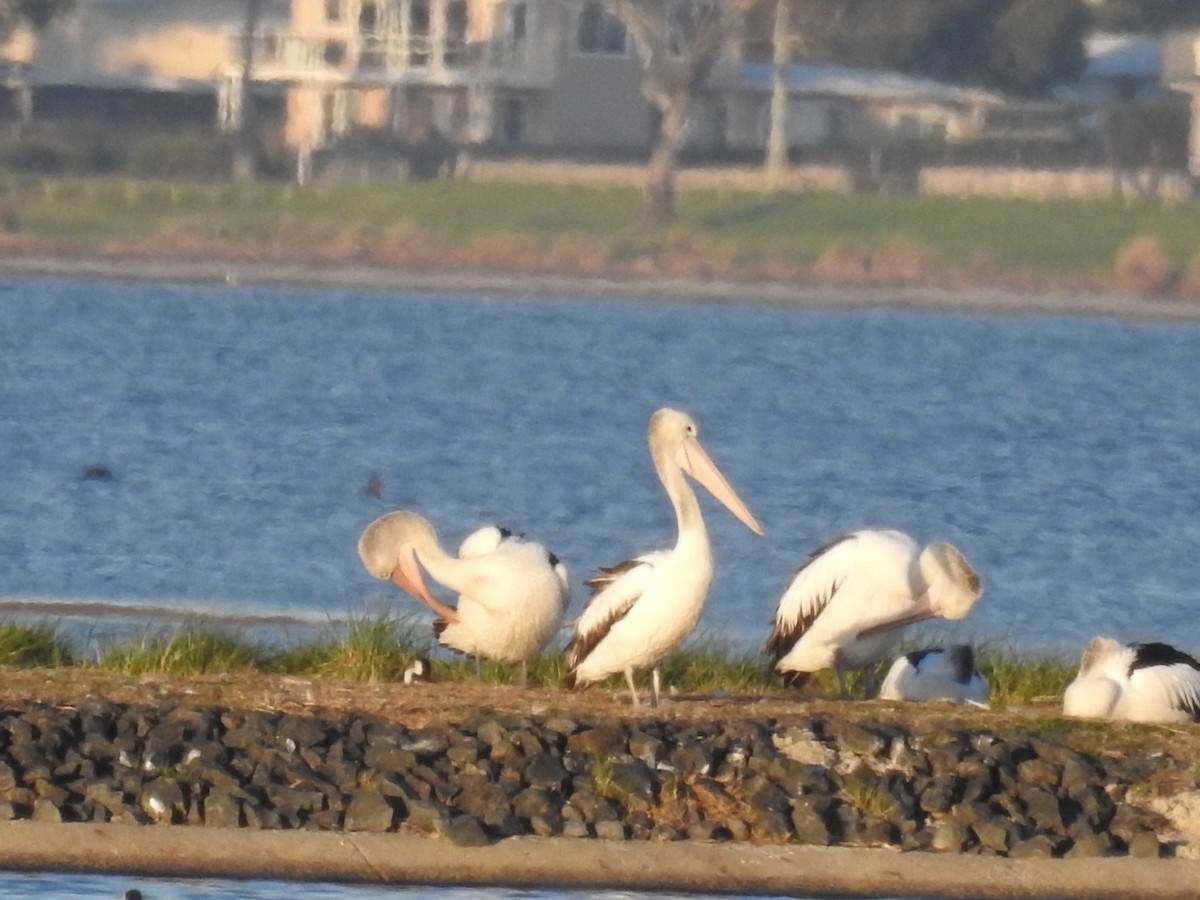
(1176, 671)
(615, 589)
(812, 590)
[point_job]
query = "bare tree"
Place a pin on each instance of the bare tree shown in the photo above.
(36, 13)
(678, 42)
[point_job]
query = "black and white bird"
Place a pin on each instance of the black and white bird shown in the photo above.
(420, 671)
(848, 605)
(1138, 682)
(936, 674)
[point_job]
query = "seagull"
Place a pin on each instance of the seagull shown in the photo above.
(512, 591)
(847, 607)
(643, 609)
(936, 674)
(1139, 682)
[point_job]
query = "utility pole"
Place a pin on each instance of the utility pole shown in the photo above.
(245, 166)
(777, 140)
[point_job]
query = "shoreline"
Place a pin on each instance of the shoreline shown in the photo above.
(478, 785)
(533, 862)
(539, 286)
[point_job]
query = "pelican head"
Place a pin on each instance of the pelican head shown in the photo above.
(388, 549)
(673, 437)
(952, 584)
(1098, 650)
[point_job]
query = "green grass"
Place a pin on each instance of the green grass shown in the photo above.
(33, 645)
(193, 650)
(379, 646)
(1059, 237)
(1016, 679)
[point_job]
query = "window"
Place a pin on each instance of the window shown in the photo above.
(333, 10)
(520, 14)
(418, 31)
(334, 53)
(455, 54)
(368, 17)
(600, 32)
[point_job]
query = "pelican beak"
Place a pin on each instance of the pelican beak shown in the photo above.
(407, 576)
(924, 609)
(693, 459)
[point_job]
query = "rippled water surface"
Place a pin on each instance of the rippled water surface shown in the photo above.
(72, 886)
(202, 448)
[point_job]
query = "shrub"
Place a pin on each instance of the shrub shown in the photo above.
(1143, 266)
(1189, 281)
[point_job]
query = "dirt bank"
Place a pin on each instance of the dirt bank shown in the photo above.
(979, 300)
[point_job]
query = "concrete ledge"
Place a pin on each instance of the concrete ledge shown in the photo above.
(562, 862)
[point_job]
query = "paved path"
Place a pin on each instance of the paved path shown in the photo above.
(563, 862)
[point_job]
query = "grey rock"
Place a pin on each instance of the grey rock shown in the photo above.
(1091, 845)
(545, 771)
(1037, 847)
(948, 837)
(222, 809)
(162, 800)
(464, 831)
(369, 810)
(427, 814)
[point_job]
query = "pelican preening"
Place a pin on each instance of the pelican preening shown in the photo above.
(936, 674)
(1140, 682)
(512, 591)
(848, 605)
(643, 609)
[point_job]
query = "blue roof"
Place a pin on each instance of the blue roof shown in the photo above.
(845, 81)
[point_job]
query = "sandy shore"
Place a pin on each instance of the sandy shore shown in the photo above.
(540, 286)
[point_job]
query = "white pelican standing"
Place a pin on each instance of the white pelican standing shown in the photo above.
(643, 609)
(512, 591)
(936, 674)
(848, 605)
(1150, 682)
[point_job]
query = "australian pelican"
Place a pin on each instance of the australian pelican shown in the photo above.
(512, 592)
(1140, 682)
(643, 609)
(848, 605)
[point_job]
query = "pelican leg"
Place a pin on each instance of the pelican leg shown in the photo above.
(841, 677)
(524, 674)
(632, 689)
(872, 683)
(655, 680)
(478, 667)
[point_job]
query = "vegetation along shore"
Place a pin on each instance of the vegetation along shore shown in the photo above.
(1142, 249)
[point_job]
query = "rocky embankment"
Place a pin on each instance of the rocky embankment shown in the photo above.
(813, 780)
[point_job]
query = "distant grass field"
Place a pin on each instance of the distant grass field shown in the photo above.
(725, 233)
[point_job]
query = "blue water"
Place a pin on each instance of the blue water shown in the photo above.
(240, 427)
(74, 886)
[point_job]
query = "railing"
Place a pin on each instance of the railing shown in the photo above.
(288, 56)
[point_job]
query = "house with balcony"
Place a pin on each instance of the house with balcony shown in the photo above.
(529, 74)
(155, 63)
